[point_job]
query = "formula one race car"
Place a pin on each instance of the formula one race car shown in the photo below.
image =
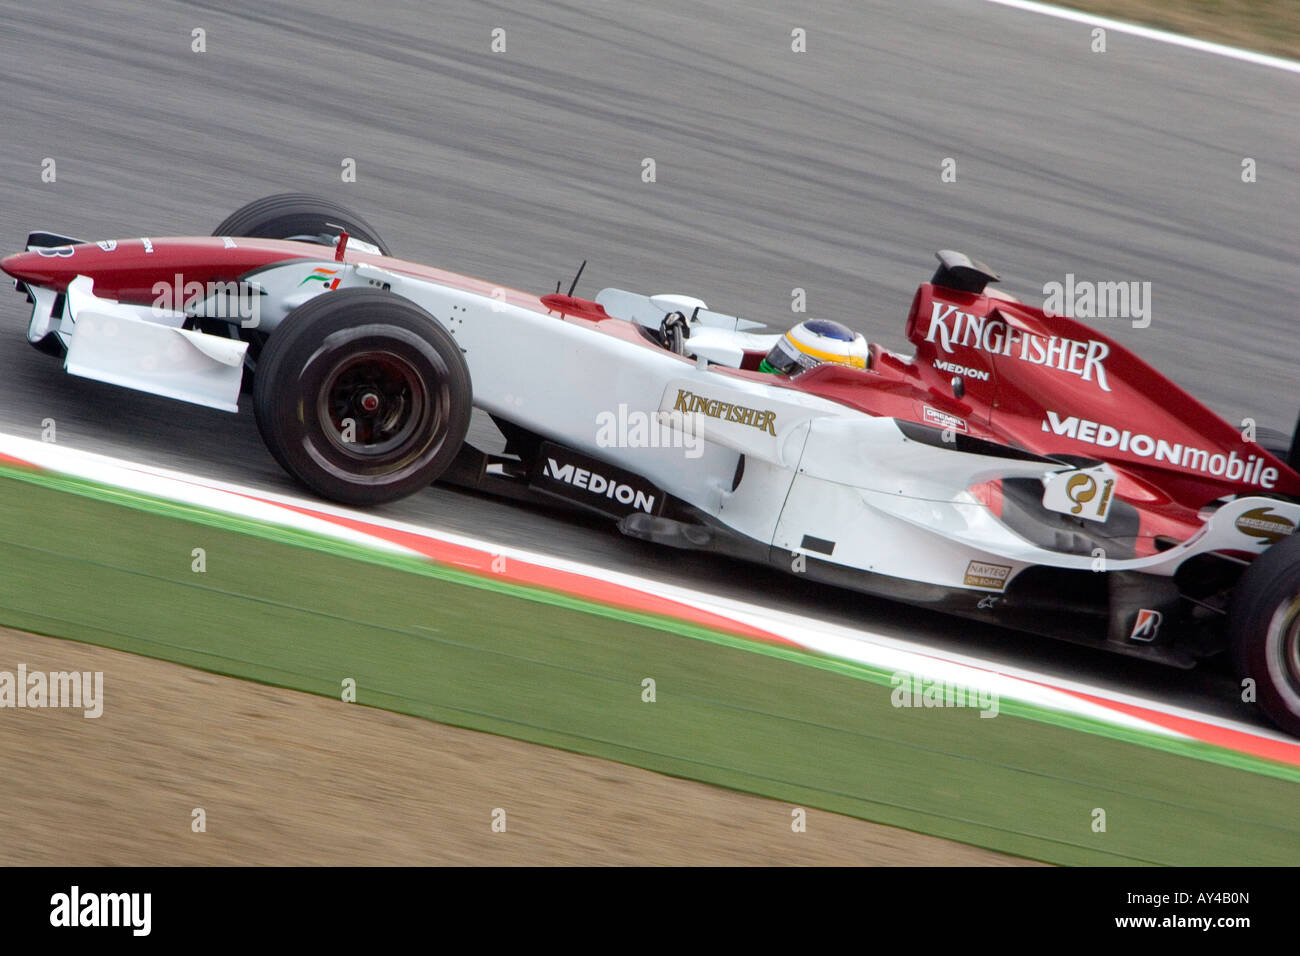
(1020, 468)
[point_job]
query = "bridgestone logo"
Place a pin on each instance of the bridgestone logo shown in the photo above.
(1250, 470)
(689, 402)
(980, 574)
(598, 484)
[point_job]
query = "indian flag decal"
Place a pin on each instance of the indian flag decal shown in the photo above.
(328, 277)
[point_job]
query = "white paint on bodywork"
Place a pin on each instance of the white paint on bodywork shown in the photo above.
(43, 321)
(726, 347)
(111, 344)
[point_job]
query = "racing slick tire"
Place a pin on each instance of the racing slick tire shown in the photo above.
(298, 216)
(1264, 631)
(362, 396)
(1274, 442)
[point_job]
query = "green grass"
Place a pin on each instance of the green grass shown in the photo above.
(302, 612)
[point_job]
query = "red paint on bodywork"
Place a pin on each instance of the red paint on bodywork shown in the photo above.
(129, 271)
(570, 305)
(1127, 413)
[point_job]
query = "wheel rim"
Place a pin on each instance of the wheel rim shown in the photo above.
(1283, 641)
(1286, 622)
(371, 404)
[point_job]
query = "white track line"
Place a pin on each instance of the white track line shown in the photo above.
(1150, 33)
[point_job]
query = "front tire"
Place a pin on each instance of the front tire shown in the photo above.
(298, 216)
(1264, 631)
(362, 396)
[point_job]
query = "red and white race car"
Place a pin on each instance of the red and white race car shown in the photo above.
(1019, 468)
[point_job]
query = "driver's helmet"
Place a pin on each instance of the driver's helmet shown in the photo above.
(812, 342)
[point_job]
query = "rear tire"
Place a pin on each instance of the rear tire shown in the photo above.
(1273, 441)
(1264, 631)
(298, 216)
(362, 396)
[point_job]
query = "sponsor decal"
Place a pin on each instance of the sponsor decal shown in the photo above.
(328, 278)
(148, 245)
(55, 252)
(227, 242)
(965, 371)
(108, 245)
(1262, 523)
(594, 483)
(987, 603)
(1147, 626)
(950, 327)
(981, 574)
(943, 420)
(1081, 489)
(1081, 493)
(689, 402)
(1250, 470)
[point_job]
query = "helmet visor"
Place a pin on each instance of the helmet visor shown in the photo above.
(786, 359)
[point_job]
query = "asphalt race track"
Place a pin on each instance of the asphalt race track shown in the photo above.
(775, 170)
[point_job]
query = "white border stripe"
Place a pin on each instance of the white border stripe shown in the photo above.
(1150, 33)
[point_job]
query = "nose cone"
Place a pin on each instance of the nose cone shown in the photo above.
(48, 267)
(16, 265)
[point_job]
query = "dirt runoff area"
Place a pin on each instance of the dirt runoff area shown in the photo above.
(1269, 26)
(288, 778)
